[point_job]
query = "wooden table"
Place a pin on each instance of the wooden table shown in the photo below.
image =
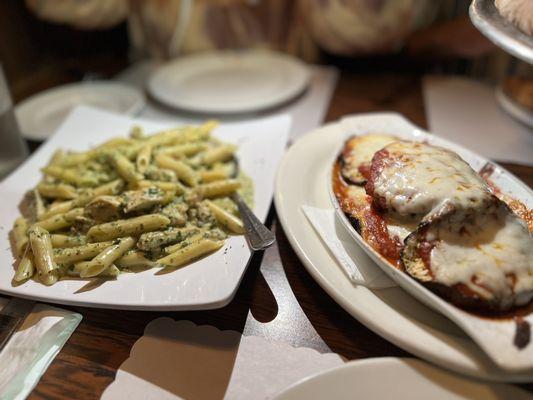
(277, 298)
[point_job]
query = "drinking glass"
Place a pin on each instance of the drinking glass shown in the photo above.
(13, 149)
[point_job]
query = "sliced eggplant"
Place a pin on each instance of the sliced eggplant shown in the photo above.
(357, 155)
(482, 261)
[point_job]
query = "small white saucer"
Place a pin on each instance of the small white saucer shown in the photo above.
(40, 115)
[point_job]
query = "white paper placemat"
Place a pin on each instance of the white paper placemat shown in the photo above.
(181, 360)
(466, 112)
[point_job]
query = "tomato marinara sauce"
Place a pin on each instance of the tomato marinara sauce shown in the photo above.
(369, 223)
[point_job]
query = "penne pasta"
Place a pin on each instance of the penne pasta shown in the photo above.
(143, 158)
(53, 223)
(184, 172)
(127, 227)
(20, 236)
(153, 240)
(41, 248)
(226, 219)
(26, 268)
(63, 174)
(71, 215)
(39, 204)
(180, 150)
(218, 154)
(110, 272)
(213, 175)
(73, 159)
(164, 138)
(114, 143)
(191, 239)
(79, 253)
(104, 259)
(218, 188)
(134, 258)
(125, 168)
(205, 129)
(59, 208)
(167, 186)
(128, 204)
(58, 191)
(56, 157)
(137, 132)
(62, 241)
(190, 253)
(110, 188)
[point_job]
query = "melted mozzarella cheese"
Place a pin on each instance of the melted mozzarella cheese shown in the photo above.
(359, 150)
(418, 178)
(493, 256)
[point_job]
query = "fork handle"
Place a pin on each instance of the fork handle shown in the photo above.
(258, 235)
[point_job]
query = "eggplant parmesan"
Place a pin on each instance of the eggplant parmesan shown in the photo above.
(357, 154)
(426, 211)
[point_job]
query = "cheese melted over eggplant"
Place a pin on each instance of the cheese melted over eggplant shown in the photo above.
(456, 234)
(490, 254)
(411, 179)
(357, 155)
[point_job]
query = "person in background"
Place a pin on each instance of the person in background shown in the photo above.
(164, 29)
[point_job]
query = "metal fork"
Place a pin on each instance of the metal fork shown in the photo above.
(259, 237)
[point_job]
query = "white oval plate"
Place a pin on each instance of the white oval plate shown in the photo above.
(229, 82)
(40, 115)
(205, 284)
(495, 337)
(303, 178)
(397, 378)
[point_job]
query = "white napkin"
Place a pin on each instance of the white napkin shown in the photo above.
(358, 266)
(31, 349)
(181, 360)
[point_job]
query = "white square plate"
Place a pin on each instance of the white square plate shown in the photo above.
(206, 284)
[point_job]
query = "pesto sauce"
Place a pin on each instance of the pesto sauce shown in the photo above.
(246, 191)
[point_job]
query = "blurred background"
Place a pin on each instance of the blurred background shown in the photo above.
(378, 46)
(62, 40)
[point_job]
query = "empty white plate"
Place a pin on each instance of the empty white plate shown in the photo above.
(395, 378)
(40, 115)
(229, 82)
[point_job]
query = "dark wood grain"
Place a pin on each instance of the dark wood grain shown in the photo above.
(276, 287)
